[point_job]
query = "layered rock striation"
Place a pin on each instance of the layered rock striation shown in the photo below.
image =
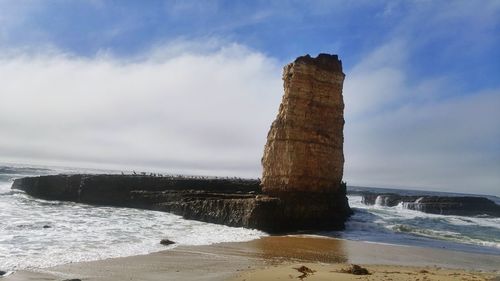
(234, 202)
(304, 149)
(303, 158)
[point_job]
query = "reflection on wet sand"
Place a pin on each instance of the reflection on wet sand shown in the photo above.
(296, 248)
(285, 253)
(307, 248)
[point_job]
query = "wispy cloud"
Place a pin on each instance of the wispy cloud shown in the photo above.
(412, 132)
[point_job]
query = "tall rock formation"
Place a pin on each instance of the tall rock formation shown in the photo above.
(304, 149)
(303, 158)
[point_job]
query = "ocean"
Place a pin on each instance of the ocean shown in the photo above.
(37, 233)
(401, 226)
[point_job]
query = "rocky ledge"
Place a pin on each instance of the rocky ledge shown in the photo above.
(233, 202)
(443, 205)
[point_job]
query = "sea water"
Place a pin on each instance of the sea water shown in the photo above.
(401, 226)
(37, 233)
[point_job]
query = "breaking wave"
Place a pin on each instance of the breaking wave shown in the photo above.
(38, 233)
(398, 225)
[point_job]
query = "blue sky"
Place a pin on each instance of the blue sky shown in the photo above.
(445, 37)
(422, 87)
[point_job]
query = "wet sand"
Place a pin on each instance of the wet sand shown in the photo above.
(274, 258)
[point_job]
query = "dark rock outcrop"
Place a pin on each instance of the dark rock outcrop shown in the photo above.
(460, 206)
(443, 205)
(233, 202)
(115, 189)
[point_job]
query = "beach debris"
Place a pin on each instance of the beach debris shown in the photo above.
(356, 270)
(2, 273)
(306, 271)
(72, 280)
(47, 226)
(166, 242)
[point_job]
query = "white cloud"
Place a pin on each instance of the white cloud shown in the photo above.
(414, 133)
(206, 107)
(193, 112)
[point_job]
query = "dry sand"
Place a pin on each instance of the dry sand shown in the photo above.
(320, 272)
(274, 258)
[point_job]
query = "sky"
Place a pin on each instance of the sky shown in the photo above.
(192, 86)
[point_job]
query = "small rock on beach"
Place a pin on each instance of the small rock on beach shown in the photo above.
(166, 242)
(356, 270)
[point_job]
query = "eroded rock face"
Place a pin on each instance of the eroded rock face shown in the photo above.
(304, 149)
(233, 202)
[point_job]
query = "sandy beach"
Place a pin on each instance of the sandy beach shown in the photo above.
(279, 258)
(320, 272)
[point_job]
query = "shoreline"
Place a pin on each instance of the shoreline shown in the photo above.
(272, 255)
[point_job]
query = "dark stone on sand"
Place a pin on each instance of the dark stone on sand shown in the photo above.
(2, 273)
(233, 202)
(306, 271)
(356, 270)
(47, 226)
(443, 205)
(166, 242)
(72, 280)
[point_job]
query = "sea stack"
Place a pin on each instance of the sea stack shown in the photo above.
(304, 149)
(303, 158)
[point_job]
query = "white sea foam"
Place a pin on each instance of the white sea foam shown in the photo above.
(37, 233)
(486, 222)
(388, 224)
(81, 233)
(77, 232)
